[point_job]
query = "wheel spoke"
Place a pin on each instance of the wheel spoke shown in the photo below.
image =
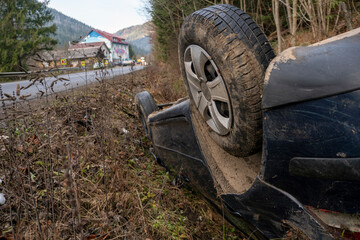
(218, 90)
(208, 89)
(202, 105)
(191, 77)
(221, 123)
(199, 59)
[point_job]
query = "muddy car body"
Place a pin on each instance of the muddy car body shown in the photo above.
(306, 177)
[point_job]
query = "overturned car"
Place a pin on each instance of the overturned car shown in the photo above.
(276, 140)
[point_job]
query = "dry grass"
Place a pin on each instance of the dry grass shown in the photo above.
(165, 83)
(306, 38)
(77, 166)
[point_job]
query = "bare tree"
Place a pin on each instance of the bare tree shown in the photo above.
(347, 15)
(292, 19)
(318, 16)
(275, 7)
(243, 5)
(294, 23)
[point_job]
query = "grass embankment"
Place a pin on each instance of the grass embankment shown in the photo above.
(78, 166)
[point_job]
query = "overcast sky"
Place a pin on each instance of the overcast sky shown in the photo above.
(108, 15)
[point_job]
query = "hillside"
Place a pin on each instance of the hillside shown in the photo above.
(68, 29)
(139, 37)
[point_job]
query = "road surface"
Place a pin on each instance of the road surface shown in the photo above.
(75, 80)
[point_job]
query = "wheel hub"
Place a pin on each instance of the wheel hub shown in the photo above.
(208, 89)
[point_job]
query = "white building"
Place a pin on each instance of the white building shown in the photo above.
(119, 49)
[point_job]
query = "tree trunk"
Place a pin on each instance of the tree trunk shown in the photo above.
(288, 10)
(294, 23)
(275, 6)
(292, 26)
(321, 17)
(347, 16)
(195, 8)
(328, 19)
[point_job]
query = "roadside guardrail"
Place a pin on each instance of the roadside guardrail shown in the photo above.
(20, 74)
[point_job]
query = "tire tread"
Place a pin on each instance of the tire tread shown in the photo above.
(231, 23)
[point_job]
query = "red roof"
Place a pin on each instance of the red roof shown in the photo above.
(86, 45)
(111, 37)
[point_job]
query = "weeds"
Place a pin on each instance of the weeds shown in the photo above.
(77, 166)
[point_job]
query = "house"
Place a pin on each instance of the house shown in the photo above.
(118, 47)
(91, 53)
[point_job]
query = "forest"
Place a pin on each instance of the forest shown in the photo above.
(285, 22)
(68, 29)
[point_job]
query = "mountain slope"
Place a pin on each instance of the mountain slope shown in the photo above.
(139, 37)
(68, 29)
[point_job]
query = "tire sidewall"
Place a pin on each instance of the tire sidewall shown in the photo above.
(242, 140)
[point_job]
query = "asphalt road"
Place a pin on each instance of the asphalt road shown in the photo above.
(75, 80)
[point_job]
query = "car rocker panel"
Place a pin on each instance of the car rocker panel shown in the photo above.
(175, 144)
(177, 149)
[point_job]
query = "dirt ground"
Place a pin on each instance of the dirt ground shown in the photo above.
(77, 165)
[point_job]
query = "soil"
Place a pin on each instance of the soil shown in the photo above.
(286, 55)
(232, 174)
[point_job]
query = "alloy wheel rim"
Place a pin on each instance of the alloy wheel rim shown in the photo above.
(208, 89)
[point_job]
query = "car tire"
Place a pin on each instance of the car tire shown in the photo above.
(223, 57)
(146, 105)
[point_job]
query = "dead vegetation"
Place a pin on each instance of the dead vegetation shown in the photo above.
(77, 166)
(165, 83)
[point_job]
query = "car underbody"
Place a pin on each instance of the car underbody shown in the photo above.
(306, 177)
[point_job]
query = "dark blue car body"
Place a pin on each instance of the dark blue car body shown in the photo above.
(310, 172)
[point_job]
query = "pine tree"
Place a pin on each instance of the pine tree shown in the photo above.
(131, 53)
(24, 31)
